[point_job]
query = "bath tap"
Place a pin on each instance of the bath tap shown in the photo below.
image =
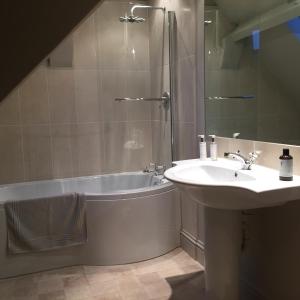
(246, 162)
(154, 168)
(160, 170)
(150, 169)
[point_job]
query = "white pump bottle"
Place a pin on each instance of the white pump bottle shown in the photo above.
(213, 148)
(202, 147)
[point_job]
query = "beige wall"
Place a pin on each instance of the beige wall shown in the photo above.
(185, 72)
(64, 122)
(188, 100)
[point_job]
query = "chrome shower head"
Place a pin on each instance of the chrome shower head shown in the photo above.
(135, 19)
(132, 19)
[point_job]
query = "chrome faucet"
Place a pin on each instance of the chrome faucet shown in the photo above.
(156, 169)
(246, 162)
(151, 168)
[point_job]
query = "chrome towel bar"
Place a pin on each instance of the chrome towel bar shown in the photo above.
(247, 97)
(141, 99)
(165, 98)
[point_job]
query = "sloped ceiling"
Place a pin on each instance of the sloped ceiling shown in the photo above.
(30, 30)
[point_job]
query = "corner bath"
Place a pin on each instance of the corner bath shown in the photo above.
(130, 217)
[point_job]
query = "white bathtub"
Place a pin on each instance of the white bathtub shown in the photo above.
(130, 217)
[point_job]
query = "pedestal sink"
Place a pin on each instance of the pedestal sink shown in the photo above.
(225, 190)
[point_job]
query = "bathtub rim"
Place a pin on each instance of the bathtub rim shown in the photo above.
(134, 193)
(116, 195)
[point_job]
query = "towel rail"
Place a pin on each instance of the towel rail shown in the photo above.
(141, 99)
(165, 98)
(246, 97)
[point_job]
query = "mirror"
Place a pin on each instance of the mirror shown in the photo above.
(252, 68)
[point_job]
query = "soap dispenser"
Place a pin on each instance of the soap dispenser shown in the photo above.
(286, 166)
(213, 148)
(202, 147)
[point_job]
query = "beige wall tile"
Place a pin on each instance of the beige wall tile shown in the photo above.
(138, 145)
(86, 96)
(85, 45)
(121, 46)
(87, 149)
(62, 151)
(158, 39)
(186, 23)
(185, 144)
(186, 94)
(270, 152)
(11, 157)
(111, 36)
(37, 152)
(161, 142)
(156, 88)
(137, 44)
(138, 85)
(61, 95)
(113, 85)
(115, 138)
(65, 96)
(10, 109)
(34, 98)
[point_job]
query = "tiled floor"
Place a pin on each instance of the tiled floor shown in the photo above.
(173, 276)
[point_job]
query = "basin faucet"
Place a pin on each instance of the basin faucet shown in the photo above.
(246, 162)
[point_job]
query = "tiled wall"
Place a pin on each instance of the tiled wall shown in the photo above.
(185, 72)
(188, 98)
(64, 122)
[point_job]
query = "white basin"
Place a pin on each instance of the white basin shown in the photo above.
(221, 184)
(224, 190)
(210, 174)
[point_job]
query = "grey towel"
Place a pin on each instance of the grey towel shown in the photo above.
(46, 223)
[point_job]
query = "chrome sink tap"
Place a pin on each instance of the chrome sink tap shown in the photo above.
(246, 162)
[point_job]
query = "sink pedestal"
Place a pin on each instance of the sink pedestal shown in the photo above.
(222, 253)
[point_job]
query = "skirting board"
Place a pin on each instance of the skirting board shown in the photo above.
(192, 246)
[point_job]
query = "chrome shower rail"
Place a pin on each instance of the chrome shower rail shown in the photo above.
(165, 98)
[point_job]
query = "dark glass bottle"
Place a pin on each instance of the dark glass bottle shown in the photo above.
(286, 166)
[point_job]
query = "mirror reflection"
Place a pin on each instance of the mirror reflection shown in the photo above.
(251, 68)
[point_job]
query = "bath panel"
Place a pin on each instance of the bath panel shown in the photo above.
(130, 217)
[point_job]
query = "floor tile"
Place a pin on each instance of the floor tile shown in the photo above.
(163, 278)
